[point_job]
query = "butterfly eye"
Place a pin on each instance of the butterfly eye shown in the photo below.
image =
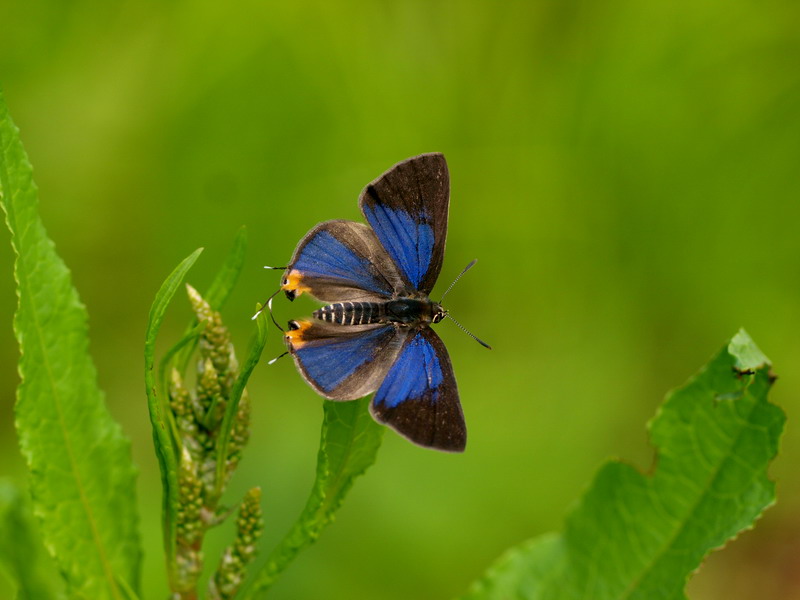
(293, 325)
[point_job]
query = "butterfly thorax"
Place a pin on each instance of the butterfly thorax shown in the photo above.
(404, 311)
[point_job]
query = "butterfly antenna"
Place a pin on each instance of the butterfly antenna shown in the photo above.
(268, 304)
(467, 268)
(464, 329)
(274, 360)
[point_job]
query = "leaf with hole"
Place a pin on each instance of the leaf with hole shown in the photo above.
(636, 536)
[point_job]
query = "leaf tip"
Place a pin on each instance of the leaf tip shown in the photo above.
(745, 353)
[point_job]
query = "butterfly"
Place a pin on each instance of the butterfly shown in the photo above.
(374, 334)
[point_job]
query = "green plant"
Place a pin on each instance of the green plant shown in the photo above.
(637, 536)
(82, 478)
(630, 536)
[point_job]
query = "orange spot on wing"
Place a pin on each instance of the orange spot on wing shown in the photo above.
(294, 337)
(294, 283)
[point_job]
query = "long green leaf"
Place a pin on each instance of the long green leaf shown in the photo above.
(348, 446)
(20, 547)
(226, 278)
(640, 537)
(232, 406)
(83, 482)
(159, 414)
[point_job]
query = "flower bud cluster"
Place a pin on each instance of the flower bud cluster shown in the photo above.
(232, 569)
(197, 425)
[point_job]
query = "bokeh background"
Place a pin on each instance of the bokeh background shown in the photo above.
(627, 173)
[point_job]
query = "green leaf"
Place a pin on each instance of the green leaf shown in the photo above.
(20, 547)
(637, 536)
(232, 406)
(160, 415)
(227, 276)
(82, 479)
(348, 446)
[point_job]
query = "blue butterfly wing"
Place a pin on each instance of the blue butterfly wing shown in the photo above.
(343, 363)
(419, 398)
(407, 208)
(339, 261)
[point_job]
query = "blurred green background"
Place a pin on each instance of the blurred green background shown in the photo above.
(626, 172)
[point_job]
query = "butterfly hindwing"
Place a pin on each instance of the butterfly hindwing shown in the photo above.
(407, 208)
(344, 363)
(341, 261)
(419, 398)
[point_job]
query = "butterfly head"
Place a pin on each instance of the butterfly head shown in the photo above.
(296, 336)
(292, 284)
(438, 312)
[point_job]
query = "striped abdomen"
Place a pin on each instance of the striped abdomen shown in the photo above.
(406, 311)
(352, 313)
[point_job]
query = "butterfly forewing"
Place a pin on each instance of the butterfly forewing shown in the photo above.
(419, 398)
(342, 261)
(407, 208)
